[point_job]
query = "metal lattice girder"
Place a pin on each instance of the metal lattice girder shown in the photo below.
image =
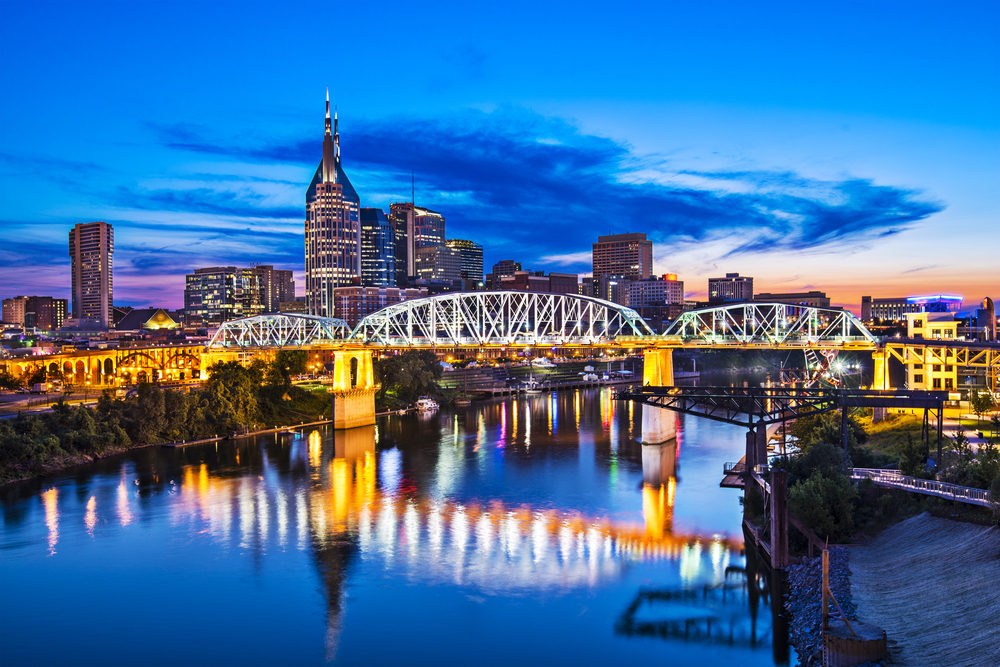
(739, 405)
(280, 330)
(500, 318)
(771, 323)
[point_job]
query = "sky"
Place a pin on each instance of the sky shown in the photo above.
(848, 147)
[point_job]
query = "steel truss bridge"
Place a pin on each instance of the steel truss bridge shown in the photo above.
(280, 330)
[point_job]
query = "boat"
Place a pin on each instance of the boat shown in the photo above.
(426, 404)
(532, 385)
(462, 402)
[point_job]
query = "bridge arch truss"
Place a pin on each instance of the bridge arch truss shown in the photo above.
(280, 330)
(506, 318)
(779, 324)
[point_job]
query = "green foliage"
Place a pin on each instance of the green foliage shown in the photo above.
(995, 493)
(9, 381)
(911, 460)
(981, 402)
(286, 364)
(231, 396)
(409, 375)
(33, 376)
(825, 503)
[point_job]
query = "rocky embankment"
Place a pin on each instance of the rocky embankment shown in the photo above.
(804, 600)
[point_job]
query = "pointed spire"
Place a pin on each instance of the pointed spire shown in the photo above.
(336, 135)
(328, 111)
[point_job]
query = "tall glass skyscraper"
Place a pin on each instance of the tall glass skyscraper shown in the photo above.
(333, 227)
(378, 244)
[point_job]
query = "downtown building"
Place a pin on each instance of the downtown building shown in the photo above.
(413, 227)
(39, 312)
(627, 255)
(378, 249)
(733, 287)
(506, 267)
(352, 304)
(217, 294)
(332, 228)
(472, 259)
(91, 245)
(895, 309)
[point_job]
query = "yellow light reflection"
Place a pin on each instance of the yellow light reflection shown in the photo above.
(90, 518)
(49, 502)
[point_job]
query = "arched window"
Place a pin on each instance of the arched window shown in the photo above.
(354, 371)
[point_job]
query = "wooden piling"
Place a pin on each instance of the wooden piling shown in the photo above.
(779, 520)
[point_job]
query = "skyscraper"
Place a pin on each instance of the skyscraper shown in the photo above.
(91, 245)
(276, 285)
(217, 294)
(333, 228)
(627, 255)
(415, 227)
(472, 258)
(378, 247)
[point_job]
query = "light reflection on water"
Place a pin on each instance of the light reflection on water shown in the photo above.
(522, 499)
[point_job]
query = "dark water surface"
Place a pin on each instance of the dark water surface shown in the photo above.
(515, 532)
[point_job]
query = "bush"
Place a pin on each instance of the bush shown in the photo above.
(825, 503)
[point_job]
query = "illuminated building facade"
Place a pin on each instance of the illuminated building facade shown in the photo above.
(276, 286)
(733, 287)
(816, 299)
(218, 294)
(332, 227)
(932, 372)
(472, 258)
(896, 309)
(90, 248)
(352, 304)
(378, 249)
(628, 255)
(657, 290)
(414, 227)
(39, 312)
(438, 262)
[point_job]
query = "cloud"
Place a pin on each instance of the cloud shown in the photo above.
(526, 185)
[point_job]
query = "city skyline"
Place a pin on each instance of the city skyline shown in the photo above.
(851, 183)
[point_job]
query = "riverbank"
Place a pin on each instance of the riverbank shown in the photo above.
(930, 583)
(803, 602)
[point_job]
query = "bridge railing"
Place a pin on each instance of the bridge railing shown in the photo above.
(895, 479)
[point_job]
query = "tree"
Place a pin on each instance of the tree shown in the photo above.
(9, 381)
(825, 504)
(980, 402)
(231, 395)
(995, 494)
(286, 364)
(911, 461)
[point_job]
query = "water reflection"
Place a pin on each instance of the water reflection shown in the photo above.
(533, 498)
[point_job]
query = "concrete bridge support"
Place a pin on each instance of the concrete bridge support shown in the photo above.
(353, 389)
(658, 425)
(756, 453)
(880, 380)
(658, 367)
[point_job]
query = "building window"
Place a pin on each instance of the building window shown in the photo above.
(918, 367)
(918, 378)
(949, 368)
(937, 383)
(918, 324)
(936, 332)
(948, 383)
(937, 368)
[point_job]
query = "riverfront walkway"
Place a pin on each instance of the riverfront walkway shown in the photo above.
(931, 584)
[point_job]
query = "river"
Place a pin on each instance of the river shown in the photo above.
(516, 531)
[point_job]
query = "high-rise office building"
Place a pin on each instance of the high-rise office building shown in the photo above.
(276, 285)
(472, 259)
(39, 312)
(628, 255)
(414, 227)
(655, 291)
(217, 294)
(91, 245)
(333, 228)
(733, 287)
(378, 249)
(438, 262)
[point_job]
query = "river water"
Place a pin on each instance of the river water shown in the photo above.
(517, 531)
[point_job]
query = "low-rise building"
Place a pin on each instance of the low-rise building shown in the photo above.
(654, 291)
(733, 287)
(39, 312)
(932, 371)
(815, 299)
(895, 309)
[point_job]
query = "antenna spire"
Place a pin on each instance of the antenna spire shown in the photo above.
(336, 135)
(413, 191)
(328, 111)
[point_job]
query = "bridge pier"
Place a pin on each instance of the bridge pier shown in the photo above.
(658, 425)
(658, 367)
(353, 392)
(756, 453)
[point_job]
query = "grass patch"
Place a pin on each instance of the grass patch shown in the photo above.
(891, 435)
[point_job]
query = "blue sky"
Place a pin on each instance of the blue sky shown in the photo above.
(848, 147)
